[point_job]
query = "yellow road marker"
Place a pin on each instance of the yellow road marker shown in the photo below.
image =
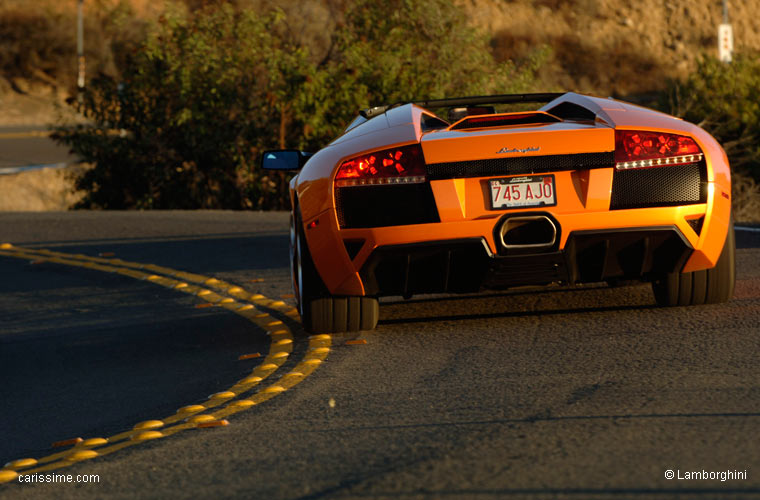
(222, 395)
(215, 423)
(146, 435)
(249, 356)
(148, 424)
(78, 456)
(8, 475)
(356, 342)
(197, 419)
(21, 463)
(92, 442)
(67, 442)
(241, 403)
(191, 409)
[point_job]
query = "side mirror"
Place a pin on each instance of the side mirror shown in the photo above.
(284, 159)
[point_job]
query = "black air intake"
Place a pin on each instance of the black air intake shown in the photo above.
(385, 205)
(659, 186)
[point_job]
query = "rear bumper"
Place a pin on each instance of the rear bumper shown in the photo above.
(468, 265)
(354, 260)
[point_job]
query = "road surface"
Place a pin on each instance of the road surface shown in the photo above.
(588, 393)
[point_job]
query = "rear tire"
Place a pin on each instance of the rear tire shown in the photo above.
(320, 311)
(709, 286)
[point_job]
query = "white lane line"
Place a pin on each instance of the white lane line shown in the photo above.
(25, 168)
(749, 229)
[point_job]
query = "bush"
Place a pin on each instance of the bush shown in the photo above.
(723, 99)
(211, 89)
(198, 102)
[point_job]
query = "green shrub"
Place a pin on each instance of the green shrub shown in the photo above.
(198, 101)
(723, 99)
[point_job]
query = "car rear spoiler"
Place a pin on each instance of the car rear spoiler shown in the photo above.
(466, 101)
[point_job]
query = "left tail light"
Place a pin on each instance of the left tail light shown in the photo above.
(640, 149)
(402, 165)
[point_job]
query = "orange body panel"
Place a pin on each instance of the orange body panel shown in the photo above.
(463, 204)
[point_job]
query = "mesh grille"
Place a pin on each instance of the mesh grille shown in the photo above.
(385, 205)
(519, 165)
(658, 187)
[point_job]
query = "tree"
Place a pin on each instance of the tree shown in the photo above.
(400, 50)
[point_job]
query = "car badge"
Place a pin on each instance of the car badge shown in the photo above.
(531, 149)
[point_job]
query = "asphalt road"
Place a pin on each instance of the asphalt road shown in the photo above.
(25, 146)
(589, 393)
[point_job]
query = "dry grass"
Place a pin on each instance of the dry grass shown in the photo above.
(37, 191)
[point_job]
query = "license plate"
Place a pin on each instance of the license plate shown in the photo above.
(523, 192)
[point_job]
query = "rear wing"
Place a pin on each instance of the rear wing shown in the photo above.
(466, 101)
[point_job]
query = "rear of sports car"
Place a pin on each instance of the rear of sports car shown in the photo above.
(583, 190)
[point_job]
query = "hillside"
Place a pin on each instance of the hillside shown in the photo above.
(614, 47)
(604, 47)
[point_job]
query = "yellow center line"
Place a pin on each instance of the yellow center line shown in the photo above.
(187, 417)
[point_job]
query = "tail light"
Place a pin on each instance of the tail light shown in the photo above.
(403, 165)
(638, 149)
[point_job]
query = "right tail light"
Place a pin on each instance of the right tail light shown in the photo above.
(640, 149)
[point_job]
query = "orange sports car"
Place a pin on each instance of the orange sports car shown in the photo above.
(581, 190)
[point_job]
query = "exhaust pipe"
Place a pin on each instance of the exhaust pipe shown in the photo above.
(529, 231)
